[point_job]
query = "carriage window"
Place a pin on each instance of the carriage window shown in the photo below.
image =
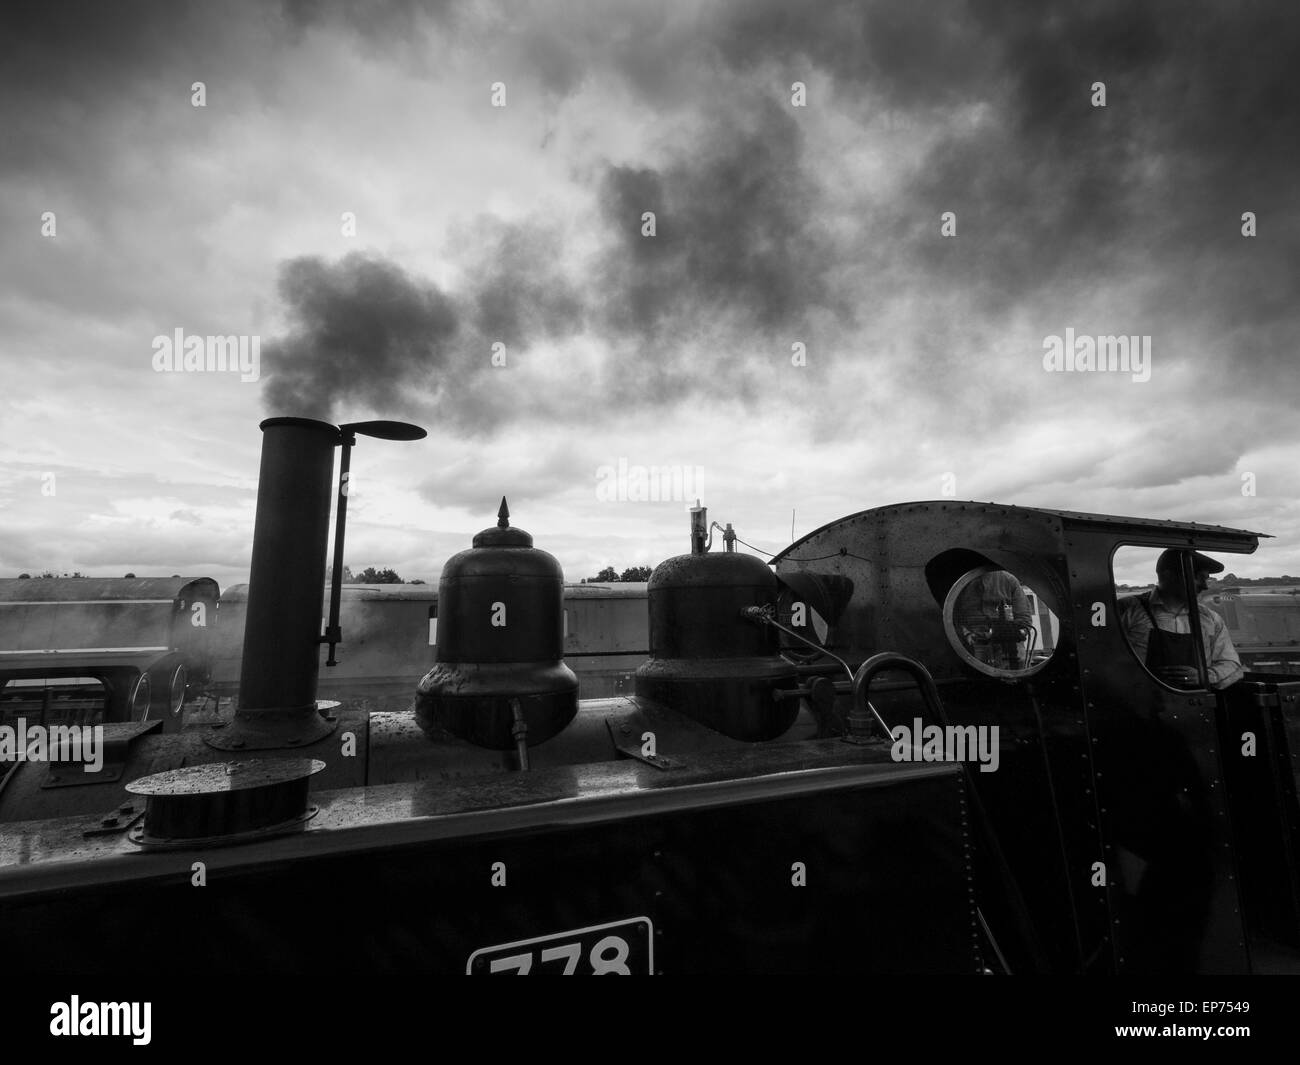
(998, 624)
(52, 701)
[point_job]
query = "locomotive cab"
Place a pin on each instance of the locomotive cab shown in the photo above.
(1124, 829)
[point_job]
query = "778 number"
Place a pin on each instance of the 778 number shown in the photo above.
(608, 957)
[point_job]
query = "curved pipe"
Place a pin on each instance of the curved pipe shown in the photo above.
(861, 715)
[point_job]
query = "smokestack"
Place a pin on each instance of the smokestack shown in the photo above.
(287, 579)
(286, 590)
(286, 583)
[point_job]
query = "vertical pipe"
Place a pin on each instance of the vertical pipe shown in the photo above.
(333, 631)
(699, 528)
(1188, 572)
(286, 584)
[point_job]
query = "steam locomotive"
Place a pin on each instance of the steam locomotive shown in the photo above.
(824, 766)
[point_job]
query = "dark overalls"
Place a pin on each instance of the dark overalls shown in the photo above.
(1167, 648)
(1169, 827)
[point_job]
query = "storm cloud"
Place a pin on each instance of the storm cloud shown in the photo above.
(1122, 218)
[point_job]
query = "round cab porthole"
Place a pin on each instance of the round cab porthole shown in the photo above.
(999, 625)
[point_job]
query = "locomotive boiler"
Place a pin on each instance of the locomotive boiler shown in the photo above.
(820, 769)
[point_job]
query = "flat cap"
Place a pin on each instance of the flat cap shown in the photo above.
(1168, 560)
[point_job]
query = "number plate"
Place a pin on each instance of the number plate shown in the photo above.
(620, 948)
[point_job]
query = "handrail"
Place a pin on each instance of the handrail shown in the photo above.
(861, 715)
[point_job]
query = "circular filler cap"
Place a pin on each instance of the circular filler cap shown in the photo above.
(224, 802)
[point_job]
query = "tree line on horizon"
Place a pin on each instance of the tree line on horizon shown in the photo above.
(1228, 580)
(609, 575)
(371, 575)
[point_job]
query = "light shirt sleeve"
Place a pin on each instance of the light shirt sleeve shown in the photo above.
(1224, 663)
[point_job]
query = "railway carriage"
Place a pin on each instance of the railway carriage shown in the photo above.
(97, 649)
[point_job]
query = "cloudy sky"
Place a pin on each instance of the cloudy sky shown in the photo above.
(351, 193)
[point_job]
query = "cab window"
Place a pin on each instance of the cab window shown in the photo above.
(1137, 603)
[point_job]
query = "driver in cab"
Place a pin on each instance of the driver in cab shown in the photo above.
(1159, 629)
(993, 616)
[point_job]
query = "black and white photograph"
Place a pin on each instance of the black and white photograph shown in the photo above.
(650, 488)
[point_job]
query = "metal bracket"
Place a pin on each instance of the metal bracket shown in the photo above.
(628, 743)
(118, 820)
(118, 738)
